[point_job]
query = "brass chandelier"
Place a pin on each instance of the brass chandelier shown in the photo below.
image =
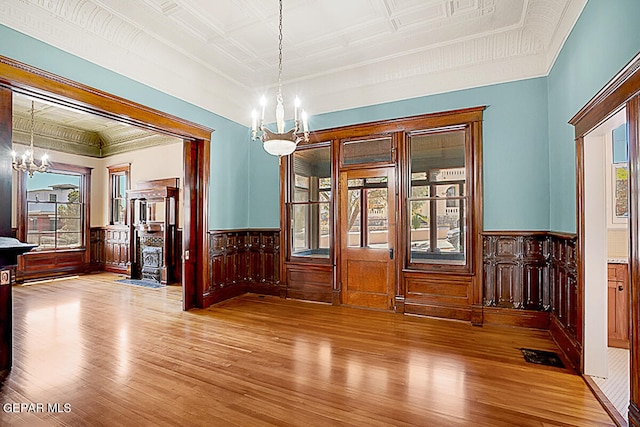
(26, 162)
(281, 142)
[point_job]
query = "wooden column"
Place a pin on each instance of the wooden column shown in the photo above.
(633, 120)
(5, 161)
(5, 227)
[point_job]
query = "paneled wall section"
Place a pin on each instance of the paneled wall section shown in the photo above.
(530, 279)
(242, 261)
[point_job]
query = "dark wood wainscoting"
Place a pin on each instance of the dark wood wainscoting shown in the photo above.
(47, 264)
(530, 281)
(110, 249)
(566, 298)
(242, 261)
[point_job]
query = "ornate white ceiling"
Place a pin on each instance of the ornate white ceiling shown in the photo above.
(222, 54)
(72, 131)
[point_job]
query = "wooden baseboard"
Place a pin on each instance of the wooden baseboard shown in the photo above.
(335, 297)
(605, 402)
(264, 288)
(568, 345)
(514, 317)
(477, 315)
(447, 312)
(115, 269)
(224, 294)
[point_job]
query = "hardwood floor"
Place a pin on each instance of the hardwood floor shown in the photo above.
(117, 354)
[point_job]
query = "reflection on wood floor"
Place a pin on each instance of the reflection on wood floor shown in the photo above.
(117, 354)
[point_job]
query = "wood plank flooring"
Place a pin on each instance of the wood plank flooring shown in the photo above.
(121, 355)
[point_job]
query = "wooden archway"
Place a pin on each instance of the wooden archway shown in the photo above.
(19, 77)
(622, 91)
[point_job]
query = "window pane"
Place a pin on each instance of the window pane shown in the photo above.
(311, 230)
(122, 186)
(54, 211)
(311, 174)
(354, 217)
(119, 211)
(377, 219)
(444, 231)
(44, 239)
(367, 151)
(68, 239)
(438, 157)
(437, 202)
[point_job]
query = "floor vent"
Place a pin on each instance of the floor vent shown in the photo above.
(540, 357)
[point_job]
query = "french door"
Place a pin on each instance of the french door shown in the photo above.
(367, 211)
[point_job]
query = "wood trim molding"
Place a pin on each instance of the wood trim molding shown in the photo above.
(45, 85)
(6, 170)
(633, 119)
(423, 121)
(604, 401)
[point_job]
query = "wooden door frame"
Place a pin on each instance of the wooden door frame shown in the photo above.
(622, 91)
(340, 230)
(23, 78)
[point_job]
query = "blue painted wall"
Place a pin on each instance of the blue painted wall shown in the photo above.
(515, 155)
(528, 158)
(605, 38)
(229, 195)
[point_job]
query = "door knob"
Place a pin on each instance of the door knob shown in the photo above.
(391, 253)
(620, 288)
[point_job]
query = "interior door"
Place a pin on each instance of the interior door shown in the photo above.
(367, 213)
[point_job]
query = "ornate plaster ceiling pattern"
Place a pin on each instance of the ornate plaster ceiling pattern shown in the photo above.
(75, 132)
(222, 54)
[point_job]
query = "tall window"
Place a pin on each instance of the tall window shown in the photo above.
(118, 186)
(438, 197)
(310, 203)
(56, 208)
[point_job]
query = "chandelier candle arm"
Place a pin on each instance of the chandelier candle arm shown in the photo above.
(282, 142)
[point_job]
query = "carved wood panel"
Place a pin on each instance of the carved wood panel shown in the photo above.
(516, 270)
(243, 260)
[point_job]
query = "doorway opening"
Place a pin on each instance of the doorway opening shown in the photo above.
(606, 259)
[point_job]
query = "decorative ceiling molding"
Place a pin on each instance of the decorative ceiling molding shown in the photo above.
(222, 55)
(100, 138)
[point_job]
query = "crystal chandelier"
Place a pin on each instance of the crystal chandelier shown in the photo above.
(26, 163)
(279, 143)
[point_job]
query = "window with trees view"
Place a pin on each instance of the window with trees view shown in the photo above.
(56, 210)
(438, 197)
(310, 203)
(118, 186)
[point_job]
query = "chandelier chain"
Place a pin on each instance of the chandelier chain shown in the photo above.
(32, 126)
(280, 54)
